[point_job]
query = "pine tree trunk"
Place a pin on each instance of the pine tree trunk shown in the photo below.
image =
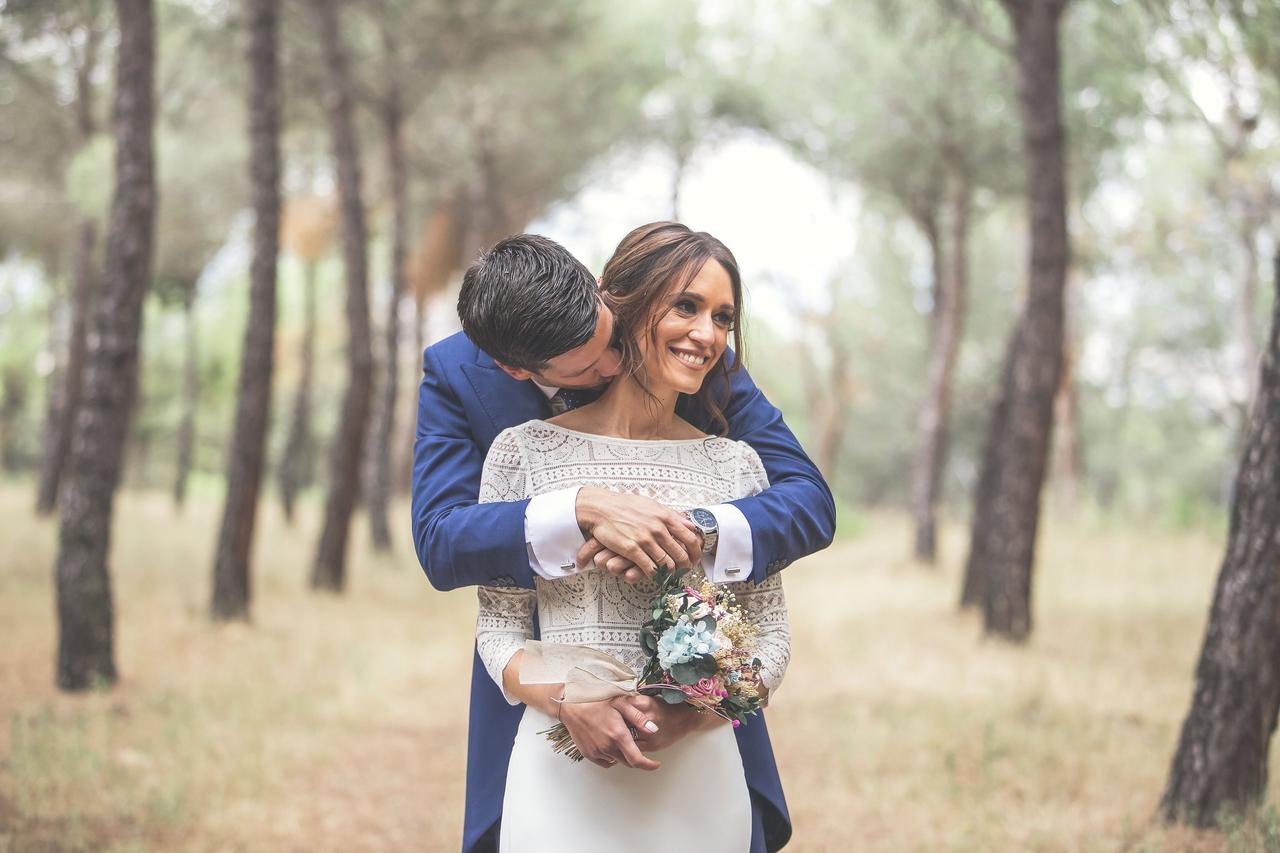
(946, 328)
(403, 474)
(86, 653)
(380, 481)
(231, 567)
(329, 569)
(190, 394)
(972, 589)
(297, 466)
(1221, 760)
(1007, 514)
(67, 398)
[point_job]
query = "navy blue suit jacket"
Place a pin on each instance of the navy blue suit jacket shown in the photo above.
(464, 401)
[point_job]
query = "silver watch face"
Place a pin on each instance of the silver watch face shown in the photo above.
(704, 520)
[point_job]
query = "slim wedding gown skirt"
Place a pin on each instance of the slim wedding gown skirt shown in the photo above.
(697, 800)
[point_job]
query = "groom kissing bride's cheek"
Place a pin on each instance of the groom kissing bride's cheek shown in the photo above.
(595, 459)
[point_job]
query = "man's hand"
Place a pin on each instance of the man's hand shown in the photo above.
(630, 532)
(674, 722)
(602, 732)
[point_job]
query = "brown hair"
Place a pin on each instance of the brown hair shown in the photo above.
(650, 262)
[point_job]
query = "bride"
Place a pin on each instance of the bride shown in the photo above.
(676, 295)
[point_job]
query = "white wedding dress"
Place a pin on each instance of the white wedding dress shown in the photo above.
(698, 798)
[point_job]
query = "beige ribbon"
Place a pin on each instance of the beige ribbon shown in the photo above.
(588, 675)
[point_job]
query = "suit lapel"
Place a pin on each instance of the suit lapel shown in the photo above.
(508, 402)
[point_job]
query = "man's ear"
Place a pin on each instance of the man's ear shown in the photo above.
(514, 372)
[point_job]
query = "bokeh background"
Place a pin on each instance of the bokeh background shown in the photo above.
(865, 161)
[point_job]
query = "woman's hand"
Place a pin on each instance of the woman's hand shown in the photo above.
(602, 732)
(674, 722)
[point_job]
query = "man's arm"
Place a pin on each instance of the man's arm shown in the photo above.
(796, 515)
(459, 542)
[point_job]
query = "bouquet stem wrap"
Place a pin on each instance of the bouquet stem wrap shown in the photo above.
(589, 675)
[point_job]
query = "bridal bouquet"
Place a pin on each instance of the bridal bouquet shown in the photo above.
(701, 652)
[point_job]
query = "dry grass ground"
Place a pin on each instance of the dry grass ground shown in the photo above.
(338, 723)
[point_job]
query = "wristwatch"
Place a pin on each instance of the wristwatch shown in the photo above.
(705, 521)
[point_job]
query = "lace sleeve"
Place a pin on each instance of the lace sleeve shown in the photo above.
(752, 479)
(766, 606)
(764, 602)
(505, 618)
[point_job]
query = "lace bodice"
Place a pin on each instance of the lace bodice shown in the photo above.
(594, 608)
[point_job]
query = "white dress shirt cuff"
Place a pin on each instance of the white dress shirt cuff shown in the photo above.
(552, 533)
(732, 559)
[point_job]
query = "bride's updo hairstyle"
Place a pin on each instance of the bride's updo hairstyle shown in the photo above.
(651, 263)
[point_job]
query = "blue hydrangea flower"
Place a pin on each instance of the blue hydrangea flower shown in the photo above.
(684, 641)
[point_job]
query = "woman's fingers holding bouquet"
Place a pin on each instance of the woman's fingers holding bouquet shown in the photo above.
(603, 735)
(672, 723)
(637, 712)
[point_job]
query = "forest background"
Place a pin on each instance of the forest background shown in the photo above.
(871, 166)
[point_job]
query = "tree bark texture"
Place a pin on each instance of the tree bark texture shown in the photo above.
(190, 396)
(972, 588)
(1221, 760)
(329, 569)
(1007, 511)
(297, 465)
(85, 616)
(66, 399)
(231, 560)
(946, 327)
(379, 487)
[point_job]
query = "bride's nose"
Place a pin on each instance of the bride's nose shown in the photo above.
(702, 329)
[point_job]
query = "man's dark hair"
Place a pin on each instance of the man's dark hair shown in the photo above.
(527, 300)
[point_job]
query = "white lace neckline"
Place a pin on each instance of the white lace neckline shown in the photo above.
(595, 436)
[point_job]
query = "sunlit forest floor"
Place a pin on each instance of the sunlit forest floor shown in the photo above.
(338, 723)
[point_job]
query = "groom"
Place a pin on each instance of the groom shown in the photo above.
(538, 339)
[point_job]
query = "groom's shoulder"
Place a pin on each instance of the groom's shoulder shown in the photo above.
(455, 349)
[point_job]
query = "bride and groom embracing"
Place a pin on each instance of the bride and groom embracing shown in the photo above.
(573, 439)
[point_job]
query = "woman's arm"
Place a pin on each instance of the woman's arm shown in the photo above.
(765, 605)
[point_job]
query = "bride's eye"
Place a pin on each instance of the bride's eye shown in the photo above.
(685, 307)
(724, 318)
